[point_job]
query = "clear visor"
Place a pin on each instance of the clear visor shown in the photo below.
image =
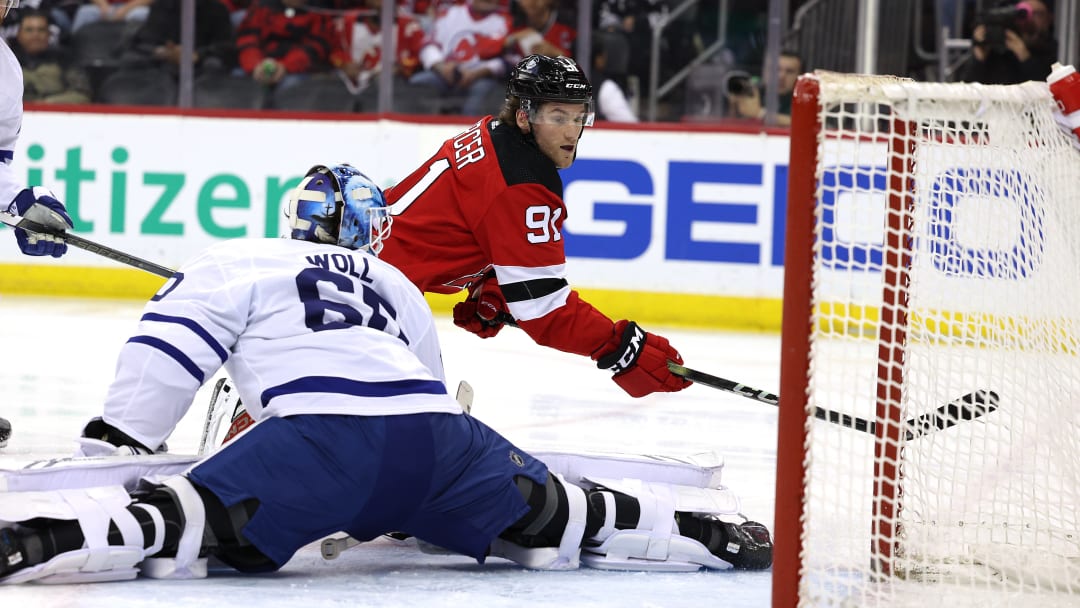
(560, 117)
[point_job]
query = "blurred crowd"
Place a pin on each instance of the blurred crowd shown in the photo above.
(452, 55)
(324, 55)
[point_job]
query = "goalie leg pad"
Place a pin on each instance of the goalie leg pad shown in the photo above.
(186, 564)
(94, 509)
(654, 543)
(567, 555)
(699, 470)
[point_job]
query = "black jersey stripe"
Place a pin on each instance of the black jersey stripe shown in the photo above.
(531, 290)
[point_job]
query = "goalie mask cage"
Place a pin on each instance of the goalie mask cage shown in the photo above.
(932, 250)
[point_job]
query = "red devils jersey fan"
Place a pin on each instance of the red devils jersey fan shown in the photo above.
(485, 213)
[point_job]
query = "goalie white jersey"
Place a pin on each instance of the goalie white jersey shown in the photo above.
(271, 311)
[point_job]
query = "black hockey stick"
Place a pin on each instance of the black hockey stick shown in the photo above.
(16, 221)
(970, 406)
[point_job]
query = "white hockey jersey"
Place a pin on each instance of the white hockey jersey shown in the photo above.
(472, 42)
(11, 112)
(301, 328)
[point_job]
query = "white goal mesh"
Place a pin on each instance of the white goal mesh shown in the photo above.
(942, 257)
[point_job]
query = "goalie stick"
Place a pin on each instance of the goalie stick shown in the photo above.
(219, 402)
(17, 221)
(969, 407)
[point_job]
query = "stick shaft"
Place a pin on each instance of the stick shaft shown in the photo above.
(77, 241)
(968, 407)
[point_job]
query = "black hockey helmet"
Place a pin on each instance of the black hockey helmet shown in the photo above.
(540, 78)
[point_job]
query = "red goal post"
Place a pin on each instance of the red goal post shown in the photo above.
(932, 250)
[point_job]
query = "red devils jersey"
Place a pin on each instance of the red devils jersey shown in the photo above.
(487, 199)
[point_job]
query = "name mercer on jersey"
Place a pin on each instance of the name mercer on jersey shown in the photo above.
(468, 147)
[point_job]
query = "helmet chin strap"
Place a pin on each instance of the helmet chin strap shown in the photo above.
(530, 137)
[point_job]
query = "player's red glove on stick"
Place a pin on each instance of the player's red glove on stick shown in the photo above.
(484, 311)
(639, 361)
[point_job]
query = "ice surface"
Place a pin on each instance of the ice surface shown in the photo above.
(58, 358)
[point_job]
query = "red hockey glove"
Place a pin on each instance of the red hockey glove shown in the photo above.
(639, 361)
(484, 312)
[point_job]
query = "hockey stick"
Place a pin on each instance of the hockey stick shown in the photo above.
(969, 407)
(220, 400)
(16, 221)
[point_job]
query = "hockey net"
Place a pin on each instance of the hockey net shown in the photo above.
(933, 250)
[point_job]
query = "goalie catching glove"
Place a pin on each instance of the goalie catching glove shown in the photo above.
(639, 361)
(484, 312)
(99, 438)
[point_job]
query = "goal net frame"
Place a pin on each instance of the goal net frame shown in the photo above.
(886, 321)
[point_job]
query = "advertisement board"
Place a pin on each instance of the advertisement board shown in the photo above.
(684, 220)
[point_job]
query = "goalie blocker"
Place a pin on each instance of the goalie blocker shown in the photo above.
(630, 520)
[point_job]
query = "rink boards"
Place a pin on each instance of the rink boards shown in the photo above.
(670, 224)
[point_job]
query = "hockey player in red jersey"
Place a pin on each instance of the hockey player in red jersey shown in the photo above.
(485, 213)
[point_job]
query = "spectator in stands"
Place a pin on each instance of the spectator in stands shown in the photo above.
(615, 15)
(237, 10)
(462, 57)
(537, 28)
(611, 88)
(636, 20)
(280, 43)
(150, 63)
(49, 73)
(746, 100)
(360, 58)
(157, 42)
(110, 10)
(1026, 52)
(60, 13)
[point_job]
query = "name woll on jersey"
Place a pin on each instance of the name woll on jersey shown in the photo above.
(301, 328)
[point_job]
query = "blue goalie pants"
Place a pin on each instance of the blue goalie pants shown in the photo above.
(447, 479)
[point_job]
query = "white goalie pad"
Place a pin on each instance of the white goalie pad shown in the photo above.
(567, 556)
(635, 550)
(92, 471)
(187, 564)
(686, 499)
(94, 509)
(656, 544)
(699, 470)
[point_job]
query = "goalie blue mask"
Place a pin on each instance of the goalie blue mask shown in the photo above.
(341, 206)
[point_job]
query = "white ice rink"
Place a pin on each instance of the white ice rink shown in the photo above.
(58, 357)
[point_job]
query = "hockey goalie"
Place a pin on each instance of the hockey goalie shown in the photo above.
(334, 353)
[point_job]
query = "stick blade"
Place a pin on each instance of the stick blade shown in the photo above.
(464, 396)
(969, 407)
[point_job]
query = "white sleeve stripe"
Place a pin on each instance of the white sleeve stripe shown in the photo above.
(519, 274)
(527, 310)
